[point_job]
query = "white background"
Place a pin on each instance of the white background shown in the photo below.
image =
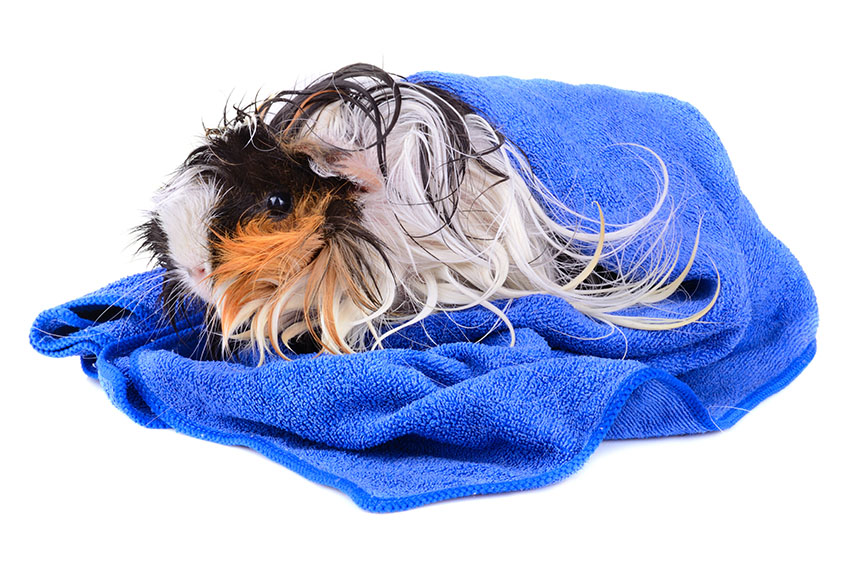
(101, 102)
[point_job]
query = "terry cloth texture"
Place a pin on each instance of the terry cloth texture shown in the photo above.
(440, 414)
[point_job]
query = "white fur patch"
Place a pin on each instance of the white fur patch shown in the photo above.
(184, 210)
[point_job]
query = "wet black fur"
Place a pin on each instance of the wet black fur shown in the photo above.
(249, 166)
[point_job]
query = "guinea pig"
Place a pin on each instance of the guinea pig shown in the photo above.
(349, 209)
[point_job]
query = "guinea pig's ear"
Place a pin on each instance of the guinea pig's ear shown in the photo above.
(358, 166)
(361, 168)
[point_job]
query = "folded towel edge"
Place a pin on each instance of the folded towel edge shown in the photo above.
(169, 418)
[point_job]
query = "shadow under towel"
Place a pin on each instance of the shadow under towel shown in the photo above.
(437, 414)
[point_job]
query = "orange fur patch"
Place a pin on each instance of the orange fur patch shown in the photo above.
(265, 261)
(265, 257)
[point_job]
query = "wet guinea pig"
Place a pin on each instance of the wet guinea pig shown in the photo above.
(346, 210)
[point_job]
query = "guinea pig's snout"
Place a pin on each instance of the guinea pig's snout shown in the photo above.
(199, 277)
(198, 273)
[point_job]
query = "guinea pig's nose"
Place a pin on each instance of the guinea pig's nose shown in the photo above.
(198, 272)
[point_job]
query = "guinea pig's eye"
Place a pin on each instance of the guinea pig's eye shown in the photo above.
(279, 204)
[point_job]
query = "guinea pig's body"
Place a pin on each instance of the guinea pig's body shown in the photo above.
(363, 203)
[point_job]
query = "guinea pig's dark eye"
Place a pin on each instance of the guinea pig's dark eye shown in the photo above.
(279, 204)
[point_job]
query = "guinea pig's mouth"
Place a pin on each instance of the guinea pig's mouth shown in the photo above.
(203, 290)
(198, 281)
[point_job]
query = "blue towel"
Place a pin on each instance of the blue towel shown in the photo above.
(439, 415)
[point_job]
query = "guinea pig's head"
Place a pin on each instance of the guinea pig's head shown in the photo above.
(266, 230)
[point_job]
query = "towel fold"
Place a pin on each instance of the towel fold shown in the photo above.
(448, 408)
